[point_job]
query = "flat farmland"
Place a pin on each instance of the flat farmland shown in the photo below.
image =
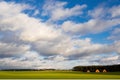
(57, 75)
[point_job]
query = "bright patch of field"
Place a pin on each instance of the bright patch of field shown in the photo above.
(57, 75)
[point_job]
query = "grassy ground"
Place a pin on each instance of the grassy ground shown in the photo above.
(57, 75)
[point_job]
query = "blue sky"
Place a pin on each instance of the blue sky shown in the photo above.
(57, 33)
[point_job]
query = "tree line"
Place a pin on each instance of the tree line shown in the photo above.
(108, 68)
(27, 69)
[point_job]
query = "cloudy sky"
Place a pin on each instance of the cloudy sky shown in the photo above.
(59, 34)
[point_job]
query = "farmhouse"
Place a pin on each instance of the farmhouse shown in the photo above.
(104, 70)
(97, 70)
(88, 70)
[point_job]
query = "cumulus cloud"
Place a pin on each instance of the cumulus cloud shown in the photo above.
(74, 49)
(107, 12)
(5, 9)
(65, 47)
(110, 60)
(58, 11)
(96, 12)
(92, 26)
(117, 46)
(10, 63)
(115, 35)
(10, 50)
(115, 11)
(28, 28)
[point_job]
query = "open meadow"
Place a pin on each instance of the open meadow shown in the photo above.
(57, 75)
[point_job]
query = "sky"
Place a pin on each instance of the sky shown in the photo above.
(59, 34)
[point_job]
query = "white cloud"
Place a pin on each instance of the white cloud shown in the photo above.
(5, 9)
(58, 11)
(9, 49)
(59, 47)
(115, 11)
(115, 35)
(110, 58)
(92, 26)
(28, 28)
(72, 48)
(31, 55)
(105, 12)
(10, 63)
(98, 12)
(117, 46)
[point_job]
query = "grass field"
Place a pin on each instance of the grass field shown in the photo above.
(57, 75)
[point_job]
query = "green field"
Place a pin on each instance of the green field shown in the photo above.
(57, 75)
